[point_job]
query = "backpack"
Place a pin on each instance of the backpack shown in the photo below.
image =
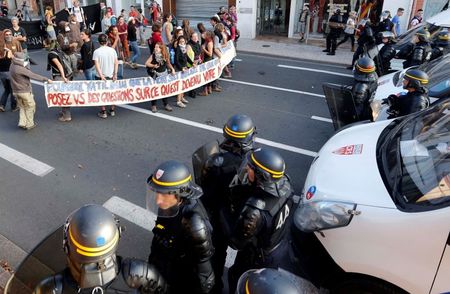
(65, 61)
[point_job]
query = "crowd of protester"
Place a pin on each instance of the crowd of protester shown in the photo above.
(172, 48)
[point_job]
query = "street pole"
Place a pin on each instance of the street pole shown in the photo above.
(41, 9)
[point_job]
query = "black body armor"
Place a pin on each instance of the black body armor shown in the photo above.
(407, 104)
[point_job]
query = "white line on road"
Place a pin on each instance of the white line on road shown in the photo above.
(237, 59)
(321, 118)
(218, 130)
(273, 88)
(315, 70)
(24, 161)
(145, 218)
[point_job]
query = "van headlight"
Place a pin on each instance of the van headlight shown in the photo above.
(322, 215)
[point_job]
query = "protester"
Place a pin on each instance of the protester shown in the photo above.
(102, 10)
(167, 29)
(233, 14)
(303, 18)
(4, 8)
(396, 21)
(139, 23)
(122, 27)
(220, 41)
(181, 63)
(26, 11)
(417, 19)
(187, 30)
(106, 21)
(8, 47)
(74, 32)
(50, 27)
(87, 52)
(106, 65)
(349, 31)
(68, 43)
(132, 39)
(156, 36)
(158, 65)
(202, 30)
(208, 51)
(19, 34)
(80, 17)
(22, 90)
(114, 42)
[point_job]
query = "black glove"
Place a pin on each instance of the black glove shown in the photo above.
(385, 101)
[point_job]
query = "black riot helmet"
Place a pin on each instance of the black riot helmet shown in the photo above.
(268, 166)
(90, 239)
(239, 132)
(365, 70)
(171, 178)
(423, 35)
(266, 281)
(416, 79)
(388, 35)
(443, 39)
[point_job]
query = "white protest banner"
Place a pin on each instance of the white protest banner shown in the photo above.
(136, 90)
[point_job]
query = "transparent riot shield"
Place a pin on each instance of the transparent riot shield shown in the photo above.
(199, 158)
(45, 260)
(340, 104)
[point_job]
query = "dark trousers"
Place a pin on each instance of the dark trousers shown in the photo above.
(331, 42)
(7, 91)
(359, 52)
(347, 36)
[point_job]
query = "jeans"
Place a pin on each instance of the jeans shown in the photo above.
(89, 73)
(120, 71)
(4, 77)
(136, 51)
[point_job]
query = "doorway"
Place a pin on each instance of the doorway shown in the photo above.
(274, 17)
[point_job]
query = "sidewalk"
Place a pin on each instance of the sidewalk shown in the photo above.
(289, 47)
(10, 257)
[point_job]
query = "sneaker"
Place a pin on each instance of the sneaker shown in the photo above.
(15, 109)
(2, 108)
(30, 127)
(181, 104)
(184, 100)
(102, 114)
(112, 112)
(168, 107)
(154, 109)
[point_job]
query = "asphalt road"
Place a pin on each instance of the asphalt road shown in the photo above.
(95, 159)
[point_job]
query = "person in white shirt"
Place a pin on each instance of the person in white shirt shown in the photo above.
(79, 13)
(349, 30)
(106, 66)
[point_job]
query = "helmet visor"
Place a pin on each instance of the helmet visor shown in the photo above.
(163, 205)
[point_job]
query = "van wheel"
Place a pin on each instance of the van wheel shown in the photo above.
(365, 285)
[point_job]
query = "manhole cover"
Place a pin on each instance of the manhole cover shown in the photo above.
(266, 46)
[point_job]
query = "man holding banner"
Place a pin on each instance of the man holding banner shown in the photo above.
(106, 65)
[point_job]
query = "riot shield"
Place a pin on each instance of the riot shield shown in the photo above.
(340, 104)
(45, 260)
(199, 158)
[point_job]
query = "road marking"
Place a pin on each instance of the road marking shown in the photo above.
(237, 59)
(315, 70)
(321, 118)
(273, 88)
(145, 219)
(218, 130)
(24, 161)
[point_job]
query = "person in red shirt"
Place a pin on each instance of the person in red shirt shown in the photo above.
(156, 35)
(123, 35)
(155, 12)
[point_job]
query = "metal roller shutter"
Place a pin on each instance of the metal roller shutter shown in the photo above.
(198, 10)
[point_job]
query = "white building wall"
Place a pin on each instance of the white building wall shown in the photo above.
(247, 11)
(392, 6)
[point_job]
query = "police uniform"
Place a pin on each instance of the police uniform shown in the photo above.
(365, 85)
(416, 54)
(181, 248)
(261, 231)
(441, 45)
(216, 173)
(413, 101)
(91, 237)
(267, 281)
(386, 54)
(366, 41)
(336, 24)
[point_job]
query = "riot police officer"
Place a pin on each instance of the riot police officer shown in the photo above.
(262, 229)
(215, 166)
(266, 281)
(336, 24)
(181, 247)
(441, 46)
(415, 81)
(366, 42)
(90, 239)
(418, 52)
(387, 52)
(364, 87)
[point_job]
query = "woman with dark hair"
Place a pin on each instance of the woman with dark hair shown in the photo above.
(201, 28)
(132, 38)
(207, 51)
(116, 44)
(156, 36)
(167, 29)
(87, 51)
(8, 46)
(181, 64)
(122, 27)
(158, 65)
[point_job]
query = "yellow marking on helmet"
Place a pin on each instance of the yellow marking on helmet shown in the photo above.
(237, 134)
(247, 290)
(423, 81)
(444, 37)
(170, 184)
(159, 226)
(362, 69)
(94, 251)
(275, 174)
